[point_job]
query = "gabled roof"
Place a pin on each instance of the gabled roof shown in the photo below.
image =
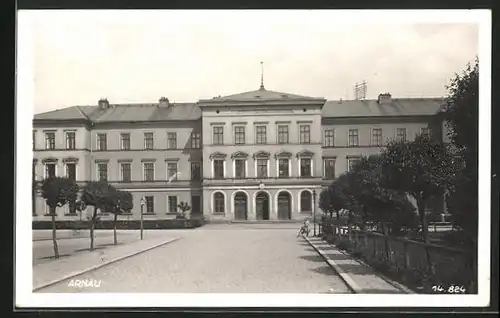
(264, 94)
(70, 113)
(126, 113)
(371, 108)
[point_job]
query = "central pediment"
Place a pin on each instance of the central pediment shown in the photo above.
(261, 96)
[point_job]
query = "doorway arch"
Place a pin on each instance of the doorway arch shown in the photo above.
(240, 206)
(262, 205)
(284, 203)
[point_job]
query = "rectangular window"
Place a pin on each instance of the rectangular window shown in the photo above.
(305, 167)
(218, 135)
(261, 134)
(172, 171)
(101, 142)
(353, 138)
(329, 138)
(219, 206)
(71, 171)
(195, 140)
(239, 167)
(283, 168)
(305, 134)
(262, 168)
(329, 168)
(401, 134)
(425, 131)
(172, 140)
(102, 171)
(218, 169)
(150, 204)
(351, 162)
(149, 171)
(148, 141)
(126, 174)
(34, 140)
(195, 171)
(239, 135)
(172, 204)
(50, 140)
(125, 141)
(282, 134)
(377, 137)
(50, 170)
(70, 140)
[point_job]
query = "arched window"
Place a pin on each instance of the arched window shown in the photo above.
(305, 201)
(219, 206)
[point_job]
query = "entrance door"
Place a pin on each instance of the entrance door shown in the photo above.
(262, 206)
(240, 206)
(284, 206)
(195, 205)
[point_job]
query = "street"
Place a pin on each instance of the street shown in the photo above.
(219, 259)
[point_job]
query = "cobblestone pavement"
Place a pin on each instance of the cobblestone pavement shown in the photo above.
(232, 259)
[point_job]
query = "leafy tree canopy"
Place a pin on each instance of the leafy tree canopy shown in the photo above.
(58, 191)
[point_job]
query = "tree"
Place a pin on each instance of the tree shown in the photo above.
(461, 115)
(57, 192)
(184, 207)
(422, 168)
(390, 208)
(118, 202)
(96, 194)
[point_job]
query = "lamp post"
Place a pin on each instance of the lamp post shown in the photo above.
(314, 211)
(143, 201)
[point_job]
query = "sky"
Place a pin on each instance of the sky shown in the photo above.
(133, 57)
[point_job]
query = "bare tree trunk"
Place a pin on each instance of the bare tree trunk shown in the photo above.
(386, 243)
(114, 229)
(54, 237)
(423, 219)
(425, 231)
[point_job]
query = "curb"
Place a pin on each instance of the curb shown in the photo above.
(73, 274)
(345, 277)
(385, 278)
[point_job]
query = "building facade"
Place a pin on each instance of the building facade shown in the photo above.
(258, 155)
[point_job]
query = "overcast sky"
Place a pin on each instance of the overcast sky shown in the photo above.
(131, 57)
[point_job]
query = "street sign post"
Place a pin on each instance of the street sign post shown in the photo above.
(314, 211)
(143, 202)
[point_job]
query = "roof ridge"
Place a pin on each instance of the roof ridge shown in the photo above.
(81, 112)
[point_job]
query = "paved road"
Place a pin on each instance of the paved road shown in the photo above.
(221, 259)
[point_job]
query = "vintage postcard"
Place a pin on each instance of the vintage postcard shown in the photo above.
(253, 158)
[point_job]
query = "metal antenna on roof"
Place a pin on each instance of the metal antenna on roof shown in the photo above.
(262, 75)
(360, 90)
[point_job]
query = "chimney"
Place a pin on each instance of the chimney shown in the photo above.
(164, 102)
(384, 99)
(103, 103)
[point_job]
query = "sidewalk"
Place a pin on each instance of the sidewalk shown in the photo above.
(361, 278)
(52, 272)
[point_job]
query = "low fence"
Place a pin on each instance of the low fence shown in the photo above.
(418, 265)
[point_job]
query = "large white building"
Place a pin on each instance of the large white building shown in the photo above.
(258, 155)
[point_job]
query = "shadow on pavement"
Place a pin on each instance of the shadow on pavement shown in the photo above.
(325, 270)
(52, 257)
(356, 269)
(88, 249)
(313, 258)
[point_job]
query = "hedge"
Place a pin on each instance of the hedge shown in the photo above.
(120, 224)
